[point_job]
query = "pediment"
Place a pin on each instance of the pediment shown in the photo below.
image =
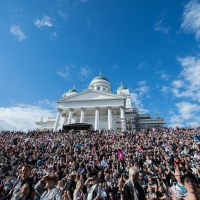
(90, 95)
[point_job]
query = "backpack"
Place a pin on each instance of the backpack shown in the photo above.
(95, 191)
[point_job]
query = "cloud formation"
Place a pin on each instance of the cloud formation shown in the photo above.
(73, 71)
(137, 95)
(142, 65)
(187, 88)
(46, 21)
(163, 75)
(17, 32)
(136, 101)
(188, 115)
(191, 18)
(159, 27)
(23, 116)
(84, 73)
(63, 15)
(65, 73)
(53, 36)
(188, 85)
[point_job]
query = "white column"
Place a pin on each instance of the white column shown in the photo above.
(96, 126)
(57, 120)
(109, 118)
(82, 115)
(122, 115)
(71, 110)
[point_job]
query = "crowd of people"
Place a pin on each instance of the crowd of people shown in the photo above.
(156, 163)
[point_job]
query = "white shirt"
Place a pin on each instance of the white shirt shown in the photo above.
(89, 197)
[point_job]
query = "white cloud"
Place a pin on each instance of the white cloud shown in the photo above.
(23, 116)
(84, 73)
(187, 110)
(176, 120)
(137, 95)
(164, 76)
(189, 85)
(141, 83)
(45, 103)
(65, 73)
(165, 89)
(143, 90)
(63, 15)
(78, 73)
(46, 21)
(17, 32)
(178, 83)
(142, 65)
(188, 115)
(53, 36)
(191, 18)
(191, 71)
(159, 27)
(135, 99)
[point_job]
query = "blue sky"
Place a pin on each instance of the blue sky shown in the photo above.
(46, 47)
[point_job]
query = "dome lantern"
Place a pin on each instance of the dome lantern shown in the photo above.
(73, 89)
(122, 87)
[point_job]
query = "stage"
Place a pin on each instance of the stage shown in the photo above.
(78, 127)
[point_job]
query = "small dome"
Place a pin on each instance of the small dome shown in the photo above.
(73, 89)
(122, 87)
(100, 77)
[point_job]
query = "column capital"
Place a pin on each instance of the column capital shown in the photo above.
(60, 110)
(97, 108)
(122, 107)
(109, 108)
(82, 108)
(71, 109)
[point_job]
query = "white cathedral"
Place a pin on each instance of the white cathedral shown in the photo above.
(101, 108)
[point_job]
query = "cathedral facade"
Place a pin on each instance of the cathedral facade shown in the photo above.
(100, 107)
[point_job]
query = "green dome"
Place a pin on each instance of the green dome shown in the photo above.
(73, 90)
(100, 77)
(122, 87)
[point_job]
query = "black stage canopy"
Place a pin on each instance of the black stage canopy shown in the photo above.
(77, 127)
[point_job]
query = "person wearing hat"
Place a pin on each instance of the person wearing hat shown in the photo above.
(71, 186)
(49, 191)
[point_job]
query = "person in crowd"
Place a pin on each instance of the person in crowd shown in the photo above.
(132, 189)
(23, 187)
(94, 192)
(161, 194)
(191, 184)
(46, 188)
(71, 185)
(178, 189)
(78, 193)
